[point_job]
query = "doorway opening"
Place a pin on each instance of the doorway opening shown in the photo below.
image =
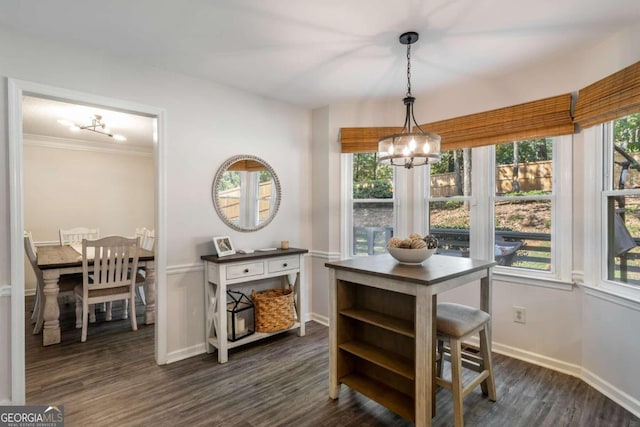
(31, 159)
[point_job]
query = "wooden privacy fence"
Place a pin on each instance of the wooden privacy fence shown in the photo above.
(531, 176)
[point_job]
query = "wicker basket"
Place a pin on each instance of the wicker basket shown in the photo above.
(274, 309)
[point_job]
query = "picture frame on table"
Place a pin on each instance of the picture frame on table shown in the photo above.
(223, 246)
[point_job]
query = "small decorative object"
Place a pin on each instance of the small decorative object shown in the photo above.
(274, 309)
(284, 244)
(223, 246)
(240, 316)
(412, 250)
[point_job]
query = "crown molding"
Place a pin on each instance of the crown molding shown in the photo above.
(81, 145)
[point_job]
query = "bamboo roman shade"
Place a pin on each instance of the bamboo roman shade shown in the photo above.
(614, 96)
(246, 165)
(537, 119)
(362, 140)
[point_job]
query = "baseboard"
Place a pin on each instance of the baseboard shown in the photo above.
(6, 402)
(628, 402)
(623, 399)
(537, 359)
(185, 353)
(323, 320)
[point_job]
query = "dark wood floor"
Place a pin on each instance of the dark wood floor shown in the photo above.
(112, 380)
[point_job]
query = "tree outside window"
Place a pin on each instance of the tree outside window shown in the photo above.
(622, 200)
(373, 204)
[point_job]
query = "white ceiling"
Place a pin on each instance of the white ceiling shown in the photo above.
(40, 118)
(311, 53)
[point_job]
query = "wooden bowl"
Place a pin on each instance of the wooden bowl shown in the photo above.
(411, 256)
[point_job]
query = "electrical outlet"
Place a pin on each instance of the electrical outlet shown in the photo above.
(519, 314)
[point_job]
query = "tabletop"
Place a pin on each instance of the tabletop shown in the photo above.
(50, 257)
(253, 255)
(435, 269)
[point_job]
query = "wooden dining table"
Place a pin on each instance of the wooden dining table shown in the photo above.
(58, 260)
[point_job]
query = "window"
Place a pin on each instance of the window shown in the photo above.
(372, 204)
(620, 200)
(504, 202)
(449, 201)
(251, 206)
(523, 204)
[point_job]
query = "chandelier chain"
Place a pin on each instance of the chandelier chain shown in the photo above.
(409, 70)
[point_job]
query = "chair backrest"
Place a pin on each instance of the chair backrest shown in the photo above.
(114, 258)
(147, 238)
(32, 255)
(75, 235)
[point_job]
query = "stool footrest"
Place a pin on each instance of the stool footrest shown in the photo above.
(471, 359)
(473, 384)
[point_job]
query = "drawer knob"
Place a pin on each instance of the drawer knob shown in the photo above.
(246, 270)
(284, 265)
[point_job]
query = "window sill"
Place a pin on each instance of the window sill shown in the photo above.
(521, 279)
(617, 294)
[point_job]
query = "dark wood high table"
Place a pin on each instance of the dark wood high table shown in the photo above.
(382, 326)
(57, 260)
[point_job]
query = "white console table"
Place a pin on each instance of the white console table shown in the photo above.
(221, 273)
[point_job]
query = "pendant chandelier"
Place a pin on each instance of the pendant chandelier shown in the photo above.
(412, 146)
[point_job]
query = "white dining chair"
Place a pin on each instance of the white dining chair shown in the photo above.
(109, 278)
(147, 238)
(75, 235)
(147, 241)
(66, 283)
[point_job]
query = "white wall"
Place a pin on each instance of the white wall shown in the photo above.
(562, 330)
(205, 124)
(611, 347)
(66, 188)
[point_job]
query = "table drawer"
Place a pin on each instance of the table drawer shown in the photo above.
(245, 270)
(283, 264)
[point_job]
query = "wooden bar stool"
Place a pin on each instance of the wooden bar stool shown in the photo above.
(455, 322)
